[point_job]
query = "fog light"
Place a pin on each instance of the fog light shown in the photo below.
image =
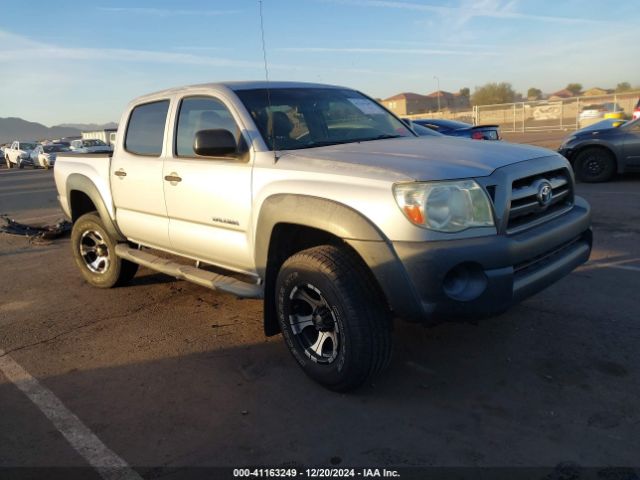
(465, 282)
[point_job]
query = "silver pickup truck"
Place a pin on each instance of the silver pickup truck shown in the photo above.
(324, 204)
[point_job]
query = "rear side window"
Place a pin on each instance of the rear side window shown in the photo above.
(145, 132)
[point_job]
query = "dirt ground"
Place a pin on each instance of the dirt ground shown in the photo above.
(170, 375)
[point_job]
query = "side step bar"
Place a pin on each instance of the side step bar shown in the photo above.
(189, 273)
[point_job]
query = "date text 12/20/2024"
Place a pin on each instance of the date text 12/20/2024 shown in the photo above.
(315, 473)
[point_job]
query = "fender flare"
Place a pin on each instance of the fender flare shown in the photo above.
(82, 183)
(342, 221)
(327, 215)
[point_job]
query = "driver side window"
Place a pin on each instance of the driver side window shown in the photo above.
(201, 113)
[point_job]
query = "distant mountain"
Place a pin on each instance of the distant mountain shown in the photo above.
(13, 128)
(88, 126)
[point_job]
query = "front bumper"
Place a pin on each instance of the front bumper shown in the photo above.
(566, 152)
(484, 276)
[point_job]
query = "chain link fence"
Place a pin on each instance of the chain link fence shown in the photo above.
(564, 114)
(545, 115)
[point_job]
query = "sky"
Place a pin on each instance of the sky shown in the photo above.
(69, 61)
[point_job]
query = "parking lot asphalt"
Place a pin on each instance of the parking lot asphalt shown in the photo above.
(169, 375)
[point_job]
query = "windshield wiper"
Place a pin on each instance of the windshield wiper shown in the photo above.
(384, 136)
(325, 143)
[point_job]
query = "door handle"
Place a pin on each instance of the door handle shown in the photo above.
(120, 173)
(173, 178)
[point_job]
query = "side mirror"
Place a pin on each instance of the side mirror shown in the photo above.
(617, 124)
(214, 143)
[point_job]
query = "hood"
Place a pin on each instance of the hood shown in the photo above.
(604, 126)
(422, 158)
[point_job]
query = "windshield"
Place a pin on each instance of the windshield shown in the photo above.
(631, 124)
(55, 148)
(94, 143)
(27, 146)
(294, 118)
(424, 131)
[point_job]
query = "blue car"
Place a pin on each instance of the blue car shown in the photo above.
(460, 129)
(601, 150)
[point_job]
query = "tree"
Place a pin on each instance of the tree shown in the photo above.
(575, 88)
(492, 93)
(534, 94)
(465, 92)
(623, 87)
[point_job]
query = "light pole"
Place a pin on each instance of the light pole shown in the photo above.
(438, 92)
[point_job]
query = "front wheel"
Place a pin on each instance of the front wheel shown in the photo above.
(332, 317)
(94, 253)
(594, 165)
(19, 163)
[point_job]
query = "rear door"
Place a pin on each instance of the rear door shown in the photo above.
(136, 176)
(208, 198)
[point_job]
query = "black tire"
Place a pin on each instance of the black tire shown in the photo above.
(19, 163)
(594, 165)
(345, 319)
(94, 253)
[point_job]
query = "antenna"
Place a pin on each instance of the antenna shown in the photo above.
(266, 74)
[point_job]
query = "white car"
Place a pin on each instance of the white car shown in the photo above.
(602, 110)
(45, 155)
(90, 146)
(18, 153)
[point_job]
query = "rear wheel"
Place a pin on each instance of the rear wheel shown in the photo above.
(94, 253)
(594, 165)
(19, 163)
(332, 317)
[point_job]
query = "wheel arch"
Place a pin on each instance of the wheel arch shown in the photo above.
(83, 197)
(288, 223)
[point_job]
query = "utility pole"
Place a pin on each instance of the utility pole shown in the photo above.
(438, 92)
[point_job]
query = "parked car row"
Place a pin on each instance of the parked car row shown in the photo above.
(43, 155)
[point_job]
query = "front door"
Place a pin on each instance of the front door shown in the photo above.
(136, 177)
(632, 145)
(208, 198)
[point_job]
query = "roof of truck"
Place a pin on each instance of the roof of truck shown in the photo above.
(244, 85)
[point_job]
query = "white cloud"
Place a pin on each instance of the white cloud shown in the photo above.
(166, 12)
(469, 10)
(394, 51)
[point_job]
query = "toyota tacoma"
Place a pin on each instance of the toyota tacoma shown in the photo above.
(322, 203)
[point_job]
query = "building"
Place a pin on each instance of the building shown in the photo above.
(561, 95)
(449, 101)
(107, 135)
(408, 103)
(596, 91)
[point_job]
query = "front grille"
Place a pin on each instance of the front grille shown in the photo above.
(525, 209)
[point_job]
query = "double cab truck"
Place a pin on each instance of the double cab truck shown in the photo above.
(325, 205)
(19, 153)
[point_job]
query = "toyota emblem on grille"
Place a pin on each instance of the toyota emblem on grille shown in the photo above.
(545, 194)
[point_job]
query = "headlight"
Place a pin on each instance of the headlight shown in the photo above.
(445, 206)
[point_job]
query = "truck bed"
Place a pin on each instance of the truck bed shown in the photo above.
(94, 166)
